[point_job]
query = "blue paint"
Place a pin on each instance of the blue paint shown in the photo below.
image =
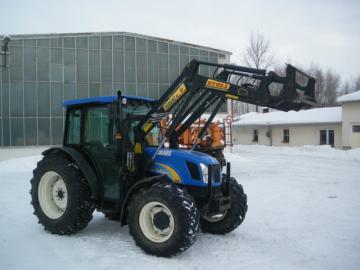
(176, 159)
(102, 100)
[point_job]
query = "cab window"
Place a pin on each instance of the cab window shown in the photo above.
(74, 127)
(97, 127)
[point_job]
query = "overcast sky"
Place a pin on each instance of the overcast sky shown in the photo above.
(300, 32)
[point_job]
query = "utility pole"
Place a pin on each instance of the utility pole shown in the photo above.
(5, 52)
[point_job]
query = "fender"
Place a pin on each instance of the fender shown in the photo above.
(142, 183)
(83, 164)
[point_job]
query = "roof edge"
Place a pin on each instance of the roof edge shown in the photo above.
(284, 124)
(345, 98)
(74, 34)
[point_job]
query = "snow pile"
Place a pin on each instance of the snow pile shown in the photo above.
(323, 151)
(354, 96)
(312, 116)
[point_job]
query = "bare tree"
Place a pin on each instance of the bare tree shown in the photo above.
(327, 87)
(258, 53)
(350, 86)
(357, 83)
(320, 85)
(332, 86)
(346, 88)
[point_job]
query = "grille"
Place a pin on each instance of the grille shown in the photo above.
(215, 173)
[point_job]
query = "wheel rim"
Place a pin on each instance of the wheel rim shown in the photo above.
(214, 218)
(156, 222)
(53, 195)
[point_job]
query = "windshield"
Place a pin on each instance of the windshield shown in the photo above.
(153, 138)
(136, 108)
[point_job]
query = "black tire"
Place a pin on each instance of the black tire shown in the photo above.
(233, 217)
(80, 206)
(183, 210)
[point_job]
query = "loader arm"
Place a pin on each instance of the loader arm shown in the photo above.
(192, 94)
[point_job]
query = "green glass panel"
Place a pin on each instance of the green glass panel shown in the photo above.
(94, 42)
(130, 44)
(17, 131)
(30, 131)
(43, 96)
(30, 99)
(118, 43)
(106, 43)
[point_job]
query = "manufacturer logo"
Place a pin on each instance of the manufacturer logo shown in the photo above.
(179, 92)
(166, 153)
(217, 85)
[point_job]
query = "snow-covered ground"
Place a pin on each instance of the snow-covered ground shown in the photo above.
(304, 213)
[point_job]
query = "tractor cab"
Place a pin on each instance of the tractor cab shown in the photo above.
(91, 129)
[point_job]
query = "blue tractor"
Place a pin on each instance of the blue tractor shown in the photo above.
(117, 158)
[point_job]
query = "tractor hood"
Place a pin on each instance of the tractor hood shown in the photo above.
(181, 154)
(182, 166)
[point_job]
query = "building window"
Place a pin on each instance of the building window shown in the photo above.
(255, 135)
(286, 136)
(356, 128)
(327, 137)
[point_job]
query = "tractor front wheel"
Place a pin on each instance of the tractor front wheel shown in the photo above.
(163, 219)
(229, 220)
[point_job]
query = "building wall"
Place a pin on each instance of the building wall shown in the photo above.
(350, 116)
(299, 134)
(44, 70)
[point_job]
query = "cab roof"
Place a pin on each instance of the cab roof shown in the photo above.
(102, 100)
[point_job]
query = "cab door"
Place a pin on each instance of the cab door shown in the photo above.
(100, 144)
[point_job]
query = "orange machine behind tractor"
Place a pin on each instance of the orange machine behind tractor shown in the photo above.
(213, 142)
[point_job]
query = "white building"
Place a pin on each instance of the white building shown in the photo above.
(350, 104)
(336, 126)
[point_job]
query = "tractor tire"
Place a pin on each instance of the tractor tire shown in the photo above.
(163, 219)
(60, 195)
(230, 219)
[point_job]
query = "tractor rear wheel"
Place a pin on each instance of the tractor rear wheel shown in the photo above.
(60, 195)
(163, 219)
(222, 223)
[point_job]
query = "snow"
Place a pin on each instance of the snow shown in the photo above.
(218, 117)
(303, 214)
(311, 116)
(354, 96)
(13, 152)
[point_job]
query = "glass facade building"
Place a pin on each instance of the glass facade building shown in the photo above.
(39, 72)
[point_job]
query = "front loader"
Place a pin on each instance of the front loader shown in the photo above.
(118, 159)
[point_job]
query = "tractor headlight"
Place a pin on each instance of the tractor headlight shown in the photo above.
(205, 172)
